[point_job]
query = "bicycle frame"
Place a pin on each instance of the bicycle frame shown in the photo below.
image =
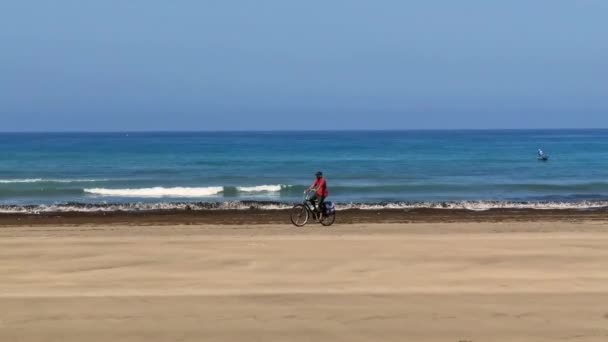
(307, 203)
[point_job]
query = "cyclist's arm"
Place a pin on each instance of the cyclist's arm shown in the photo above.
(312, 186)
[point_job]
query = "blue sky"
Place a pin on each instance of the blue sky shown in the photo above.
(278, 64)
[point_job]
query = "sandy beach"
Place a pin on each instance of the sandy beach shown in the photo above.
(510, 281)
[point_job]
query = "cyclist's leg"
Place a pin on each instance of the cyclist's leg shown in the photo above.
(321, 205)
(313, 201)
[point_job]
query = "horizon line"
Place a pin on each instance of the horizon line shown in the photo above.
(303, 130)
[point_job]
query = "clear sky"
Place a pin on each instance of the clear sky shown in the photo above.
(314, 64)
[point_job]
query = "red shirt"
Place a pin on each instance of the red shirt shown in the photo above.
(321, 185)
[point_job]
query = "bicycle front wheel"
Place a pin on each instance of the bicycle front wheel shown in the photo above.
(299, 215)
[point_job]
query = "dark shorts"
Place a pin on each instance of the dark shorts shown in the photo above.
(316, 198)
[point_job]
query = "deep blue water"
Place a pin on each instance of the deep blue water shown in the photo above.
(369, 167)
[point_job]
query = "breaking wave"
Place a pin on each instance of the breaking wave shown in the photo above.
(42, 180)
(158, 192)
(262, 188)
(183, 192)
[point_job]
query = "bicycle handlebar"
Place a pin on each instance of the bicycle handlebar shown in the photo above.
(307, 193)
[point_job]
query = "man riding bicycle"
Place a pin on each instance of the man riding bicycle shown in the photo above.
(320, 195)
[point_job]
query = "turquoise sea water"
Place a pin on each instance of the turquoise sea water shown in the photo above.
(389, 167)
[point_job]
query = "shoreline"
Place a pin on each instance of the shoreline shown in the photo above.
(281, 216)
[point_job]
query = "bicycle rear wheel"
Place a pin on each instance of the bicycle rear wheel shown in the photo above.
(328, 220)
(299, 215)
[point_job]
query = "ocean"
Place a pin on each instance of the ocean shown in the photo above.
(368, 169)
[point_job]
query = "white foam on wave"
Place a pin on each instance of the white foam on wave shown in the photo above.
(244, 205)
(477, 205)
(261, 188)
(10, 181)
(158, 192)
(42, 180)
(139, 207)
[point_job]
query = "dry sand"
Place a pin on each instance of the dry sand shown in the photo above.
(538, 281)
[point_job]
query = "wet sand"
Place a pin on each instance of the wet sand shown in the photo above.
(467, 281)
(261, 216)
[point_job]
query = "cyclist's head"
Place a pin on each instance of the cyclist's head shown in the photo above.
(319, 174)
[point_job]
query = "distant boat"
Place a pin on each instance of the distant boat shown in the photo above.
(543, 158)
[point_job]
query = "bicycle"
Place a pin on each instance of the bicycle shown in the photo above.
(301, 213)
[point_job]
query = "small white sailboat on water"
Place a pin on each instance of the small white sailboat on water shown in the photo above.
(542, 156)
